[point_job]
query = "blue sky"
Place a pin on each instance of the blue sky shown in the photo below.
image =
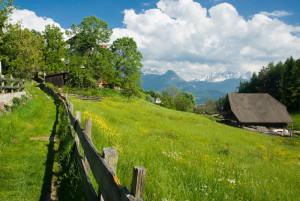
(66, 12)
(192, 37)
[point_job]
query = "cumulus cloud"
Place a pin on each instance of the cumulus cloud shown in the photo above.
(184, 36)
(147, 4)
(280, 13)
(30, 20)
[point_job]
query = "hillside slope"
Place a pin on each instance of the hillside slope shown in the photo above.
(191, 157)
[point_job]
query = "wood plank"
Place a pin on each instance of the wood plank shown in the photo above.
(11, 87)
(102, 172)
(10, 80)
(86, 181)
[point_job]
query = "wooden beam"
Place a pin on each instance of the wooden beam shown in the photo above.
(102, 172)
(86, 181)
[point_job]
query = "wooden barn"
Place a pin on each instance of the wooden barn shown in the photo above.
(58, 79)
(257, 111)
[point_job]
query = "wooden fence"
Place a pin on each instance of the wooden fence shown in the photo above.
(103, 167)
(10, 84)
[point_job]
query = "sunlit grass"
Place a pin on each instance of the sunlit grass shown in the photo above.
(191, 157)
(22, 160)
(296, 118)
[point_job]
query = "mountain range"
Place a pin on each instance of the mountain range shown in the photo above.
(207, 87)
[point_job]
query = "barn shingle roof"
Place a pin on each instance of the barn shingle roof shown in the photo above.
(258, 108)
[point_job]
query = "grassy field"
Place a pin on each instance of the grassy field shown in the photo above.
(23, 160)
(191, 157)
(296, 118)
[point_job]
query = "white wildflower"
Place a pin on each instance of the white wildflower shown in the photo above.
(232, 181)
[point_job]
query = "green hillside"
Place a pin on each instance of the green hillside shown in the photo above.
(191, 157)
(24, 148)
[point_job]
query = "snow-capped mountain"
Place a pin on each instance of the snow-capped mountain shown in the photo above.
(221, 76)
(203, 90)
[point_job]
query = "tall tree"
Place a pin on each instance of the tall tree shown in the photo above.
(173, 98)
(6, 9)
(23, 51)
(287, 82)
(55, 49)
(295, 87)
(127, 65)
(95, 63)
(280, 80)
(88, 35)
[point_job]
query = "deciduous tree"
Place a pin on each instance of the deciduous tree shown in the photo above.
(55, 49)
(127, 63)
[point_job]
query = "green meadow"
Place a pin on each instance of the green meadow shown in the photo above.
(191, 157)
(296, 118)
(23, 153)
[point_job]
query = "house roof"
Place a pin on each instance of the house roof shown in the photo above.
(258, 108)
(53, 75)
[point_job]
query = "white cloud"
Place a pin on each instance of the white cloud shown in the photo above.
(147, 4)
(192, 40)
(30, 20)
(280, 13)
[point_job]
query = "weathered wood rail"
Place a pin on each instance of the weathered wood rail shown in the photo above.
(14, 84)
(102, 167)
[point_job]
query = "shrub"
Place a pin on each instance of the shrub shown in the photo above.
(149, 98)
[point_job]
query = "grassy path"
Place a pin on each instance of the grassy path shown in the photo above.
(23, 160)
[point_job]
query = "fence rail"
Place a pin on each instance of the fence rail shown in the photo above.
(14, 84)
(102, 167)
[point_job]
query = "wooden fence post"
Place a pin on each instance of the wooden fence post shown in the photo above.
(138, 182)
(88, 132)
(44, 78)
(110, 155)
(67, 99)
(3, 84)
(22, 85)
(88, 128)
(78, 118)
(11, 84)
(71, 108)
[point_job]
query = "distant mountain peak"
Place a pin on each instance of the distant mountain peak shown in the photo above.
(202, 89)
(222, 76)
(171, 72)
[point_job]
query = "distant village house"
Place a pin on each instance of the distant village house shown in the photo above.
(58, 79)
(257, 111)
(157, 100)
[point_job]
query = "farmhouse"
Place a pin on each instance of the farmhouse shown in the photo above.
(58, 79)
(257, 111)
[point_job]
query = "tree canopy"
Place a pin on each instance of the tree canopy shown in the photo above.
(173, 98)
(127, 63)
(89, 61)
(88, 35)
(55, 51)
(281, 81)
